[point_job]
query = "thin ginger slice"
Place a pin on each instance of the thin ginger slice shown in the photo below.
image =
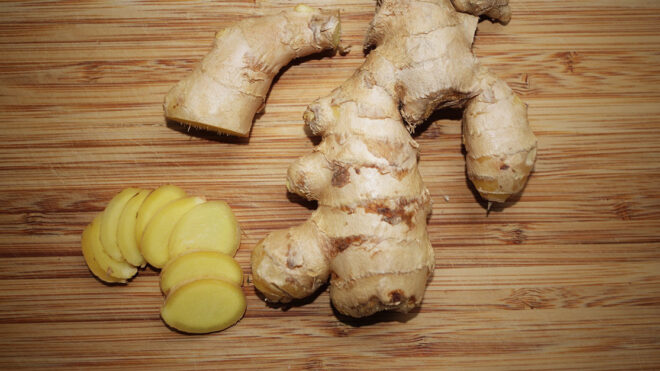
(114, 268)
(111, 218)
(88, 253)
(157, 233)
(126, 238)
(200, 264)
(210, 226)
(203, 306)
(154, 202)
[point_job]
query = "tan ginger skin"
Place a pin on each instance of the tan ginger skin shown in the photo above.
(369, 235)
(229, 86)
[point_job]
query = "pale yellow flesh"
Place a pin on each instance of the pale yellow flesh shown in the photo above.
(195, 265)
(155, 238)
(126, 238)
(154, 202)
(204, 306)
(210, 226)
(111, 218)
(117, 269)
(88, 253)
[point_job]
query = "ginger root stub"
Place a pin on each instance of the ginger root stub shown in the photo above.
(369, 233)
(230, 85)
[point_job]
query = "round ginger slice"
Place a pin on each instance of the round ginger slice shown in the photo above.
(88, 253)
(154, 202)
(111, 218)
(203, 306)
(157, 234)
(200, 264)
(126, 238)
(114, 268)
(210, 226)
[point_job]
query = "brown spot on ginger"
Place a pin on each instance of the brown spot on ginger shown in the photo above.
(340, 175)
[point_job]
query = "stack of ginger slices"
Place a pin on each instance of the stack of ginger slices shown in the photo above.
(192, 241)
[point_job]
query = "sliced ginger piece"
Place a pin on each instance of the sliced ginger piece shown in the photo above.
(154, 202)
(210, 226)
(120, 270)
(157, 233)
(111, 218)
(88, 236)
(203, 306)
(194, 265)
(126, 235)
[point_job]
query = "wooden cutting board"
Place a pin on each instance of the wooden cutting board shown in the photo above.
(567, 277)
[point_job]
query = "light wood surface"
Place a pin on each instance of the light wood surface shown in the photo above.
(567, 277)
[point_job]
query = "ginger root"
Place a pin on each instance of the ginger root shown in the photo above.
(230, 85)
(368, 234)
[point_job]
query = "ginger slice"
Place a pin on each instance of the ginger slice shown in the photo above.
(157, 233)
(88, 235)
(200, 264)
(154, 202)
(203, 306)
(117, 269)
(126, 238)
(110, 220)
(210, 226)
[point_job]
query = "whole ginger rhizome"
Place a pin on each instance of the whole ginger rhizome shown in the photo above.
(369, 234)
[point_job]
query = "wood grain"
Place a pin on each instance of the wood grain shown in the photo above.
(565, 277)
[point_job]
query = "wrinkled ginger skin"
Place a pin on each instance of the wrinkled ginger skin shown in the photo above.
(500, 145)
(229, 86)
(369, 232)
(494, 9)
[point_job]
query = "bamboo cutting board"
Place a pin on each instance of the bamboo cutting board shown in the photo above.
(566, 277)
